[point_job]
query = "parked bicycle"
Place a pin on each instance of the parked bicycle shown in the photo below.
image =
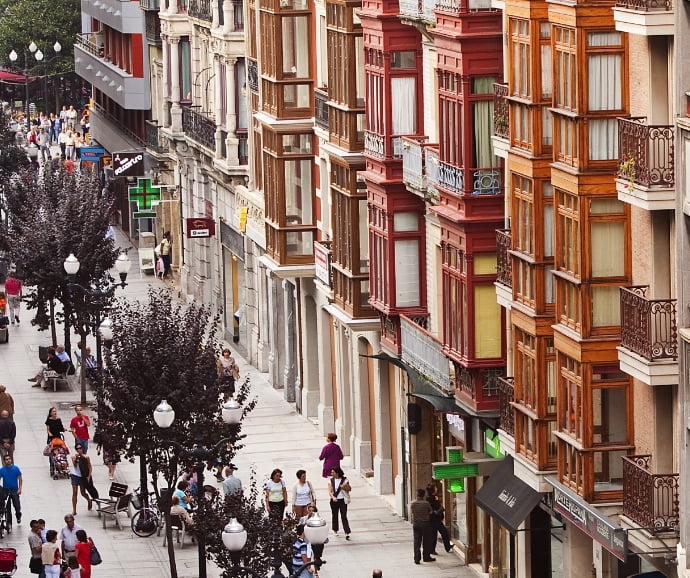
(149, 519)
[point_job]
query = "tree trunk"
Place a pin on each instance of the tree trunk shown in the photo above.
(53, 329)
(82, 373)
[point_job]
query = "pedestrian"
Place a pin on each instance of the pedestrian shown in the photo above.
(54, 426)
(302, 494)
(339, 490)
(301, 555)
(43, 141)
(8, 433)
(231, 484)
(6, 402)
(79, 426)
(13, 290)
(69, 538)
(166, 252)
(83, 549)
(276, 494)
(79, 474)
(11, 477)
(36, 547)
(74, 570)
(420, 517)
(438, 525)
(331, 454)
(109, 436)
(50, 555)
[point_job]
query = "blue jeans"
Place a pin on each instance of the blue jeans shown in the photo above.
(14, 497)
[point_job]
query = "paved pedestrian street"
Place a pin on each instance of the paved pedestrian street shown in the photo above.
(277, 436)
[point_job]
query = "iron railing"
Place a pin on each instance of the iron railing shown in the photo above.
(118, 123)
(648, 326)
(199, 128)
(646, 5)
(321, 108)
(414, 173)
(501, 108)
(374, 145)
(504, 262)
(650, 500)
(201, 9)
(488, 181)
(153, 27)
(646, 153)
(152, 139)
(506, 396)
(463, 6)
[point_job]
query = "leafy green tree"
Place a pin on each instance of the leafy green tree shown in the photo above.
(50, 216)
(162, 349)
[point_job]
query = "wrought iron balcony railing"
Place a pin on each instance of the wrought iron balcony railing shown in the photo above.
(646, 153)
(321, 108)
(506, 396)
(152, 137)
(486, 181)
(646, 5)
(374, 145)
(201, 9)
(650, 500)
(199, 128)
(463, 6)
(504, 262)
(501, 111)
(648, 326)
(413, 161)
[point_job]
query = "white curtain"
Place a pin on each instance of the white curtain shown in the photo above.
(603, 139)
(546, 71)
(608, 249)
(604, 79)
(407, 292)
(404, 105)
(606, 307)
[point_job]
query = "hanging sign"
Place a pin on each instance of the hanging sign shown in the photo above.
(128, 164)
(146, 196)
(200, 227)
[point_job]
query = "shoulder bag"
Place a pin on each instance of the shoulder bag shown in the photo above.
(95, 555)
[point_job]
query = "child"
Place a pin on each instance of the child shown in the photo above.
(59, 453)
(74, 570)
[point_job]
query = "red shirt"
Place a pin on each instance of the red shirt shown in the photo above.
(81, 430)
(13, 286)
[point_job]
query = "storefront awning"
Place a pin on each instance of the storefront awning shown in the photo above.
(507, 498)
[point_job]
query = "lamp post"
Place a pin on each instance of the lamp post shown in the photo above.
(57, 48)
(235, 537)
(164, 415)
(72, 266)
(13, 57)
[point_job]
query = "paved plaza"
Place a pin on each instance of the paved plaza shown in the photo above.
(277, 436)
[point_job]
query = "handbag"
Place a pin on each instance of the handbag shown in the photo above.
(35, 565)
(46, 450)
(95, 555)
(346, 495)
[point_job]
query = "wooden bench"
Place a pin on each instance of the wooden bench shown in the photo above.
(117, 501)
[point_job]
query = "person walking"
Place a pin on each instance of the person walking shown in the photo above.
(6, 402)
(36, 547)
(69, 538)
(437, 518)
(79, 426)
(331, 454)
(11, 477)
(83, 550)
(13, 290)
(231, 484)
(339, 490)
(50, 555)
(8, 433)
(276, 494)
(302, 495)
(80, 472)
(420, 518)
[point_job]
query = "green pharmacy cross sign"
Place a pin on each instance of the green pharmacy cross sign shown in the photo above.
(146, 196)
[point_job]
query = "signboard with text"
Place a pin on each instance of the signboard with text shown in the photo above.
(200, 227)
(128, 164)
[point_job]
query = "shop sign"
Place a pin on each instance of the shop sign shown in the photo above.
(322, 264)
(244, 211)
(597, 526)
(128, 164)
(492, 444)
(200, 227)
(92, 154)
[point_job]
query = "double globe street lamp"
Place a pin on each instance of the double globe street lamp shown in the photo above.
(164, 415)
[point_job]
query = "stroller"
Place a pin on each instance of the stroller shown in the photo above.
(59, 464)
(8, 562)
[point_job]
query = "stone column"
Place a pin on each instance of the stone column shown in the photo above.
(325, 409)
(290, 342)
(175, 110)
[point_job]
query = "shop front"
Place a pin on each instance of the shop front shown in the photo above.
(234, 287)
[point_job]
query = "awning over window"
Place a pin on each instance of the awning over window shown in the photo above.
(507, 498)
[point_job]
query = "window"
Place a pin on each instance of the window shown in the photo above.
(404, 59)
(522, 58)
(566, 68)
(523, 221)
(298, 192)
(295, 46)
(568, 234)
(404, 105)
(526, 391)
(185, 70)
(375, 112)
(454, 299)
(546, 60)
(407, 289)
(488, 330)
(571, 421)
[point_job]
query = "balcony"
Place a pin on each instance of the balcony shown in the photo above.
(418, 10)
(321, 108)
(650, 500)
(457, 7)
(419, 159)
(646, 169)
(154, 142)
(504, 268)
(480, 182)
(201, 9)
(125, 17)
(649, 337)
(423, 351)
(199, 128)
(501, 136)
(153, 28)
(374, 145)
(94, 67)
(644, 17)
(506, 396)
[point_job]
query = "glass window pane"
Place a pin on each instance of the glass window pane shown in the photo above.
(603, 139)
(608, 249)
(300, 243)
(403, 222)
(407, 292)
(605, 307)
(298, 193)
(295, 56)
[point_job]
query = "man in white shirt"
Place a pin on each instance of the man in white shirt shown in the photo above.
(68, 536)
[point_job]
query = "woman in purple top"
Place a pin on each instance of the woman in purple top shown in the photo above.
(331, 454)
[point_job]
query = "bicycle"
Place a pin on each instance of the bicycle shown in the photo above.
(148, 519)
(5, 513)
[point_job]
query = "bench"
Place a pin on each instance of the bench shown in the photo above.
(117, 501)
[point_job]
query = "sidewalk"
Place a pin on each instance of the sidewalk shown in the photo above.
(277, 436)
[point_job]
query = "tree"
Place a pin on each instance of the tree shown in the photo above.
(49, 217)
(166, 350)
(13, 160)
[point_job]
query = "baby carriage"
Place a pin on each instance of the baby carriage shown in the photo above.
(59, 464)
(8, 562)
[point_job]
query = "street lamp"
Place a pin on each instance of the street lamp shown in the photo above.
(164, 415)
(315, 531)
(13, 57)
(57, 47)
(72, 266)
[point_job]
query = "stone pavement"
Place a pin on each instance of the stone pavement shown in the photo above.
(277, 436)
